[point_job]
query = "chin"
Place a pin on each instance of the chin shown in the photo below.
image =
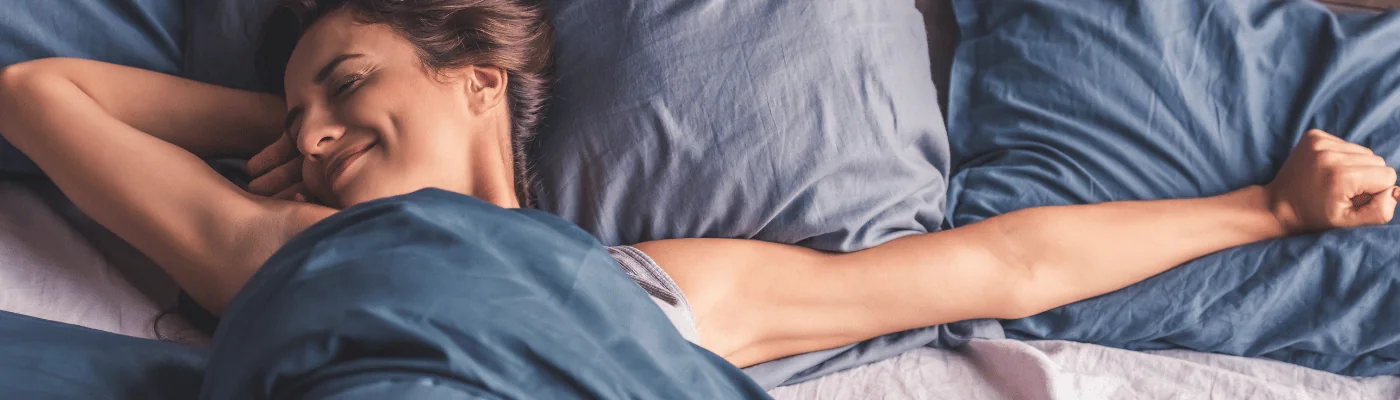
(355, 195)
(350, 200)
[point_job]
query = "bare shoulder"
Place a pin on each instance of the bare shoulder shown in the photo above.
(713, 265)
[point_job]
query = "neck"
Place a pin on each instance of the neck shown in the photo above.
(493, 177)
(501, 194)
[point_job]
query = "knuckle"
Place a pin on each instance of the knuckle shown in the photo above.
(1333, 175)
(1327, 157)
(1315, 144)
(1350, 174)
(1337, 217)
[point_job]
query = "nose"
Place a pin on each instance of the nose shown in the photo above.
(319, 132)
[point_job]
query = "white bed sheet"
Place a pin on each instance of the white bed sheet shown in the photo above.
(50, 270)
(1054, 370)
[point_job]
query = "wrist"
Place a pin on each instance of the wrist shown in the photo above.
(1282, 214)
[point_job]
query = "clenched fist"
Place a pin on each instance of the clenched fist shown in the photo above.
(1330, 183)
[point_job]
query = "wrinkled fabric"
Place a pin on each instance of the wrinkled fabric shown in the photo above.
(41, 359)
(1089, 101)
(1059, 370)
(427, 295)
(810, 122)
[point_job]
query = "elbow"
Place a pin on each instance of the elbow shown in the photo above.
(18, 77)
(13, 80)
(18, 85)
(11, 75)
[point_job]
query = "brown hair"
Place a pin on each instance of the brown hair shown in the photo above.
(514, 35)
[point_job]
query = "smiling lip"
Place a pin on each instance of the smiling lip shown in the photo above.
(341, 164)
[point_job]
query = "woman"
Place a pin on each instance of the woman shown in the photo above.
(385, 97)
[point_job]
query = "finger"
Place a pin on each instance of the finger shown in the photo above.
(276, 154)
(1326, 141)
(308, 197)
(1369, 180)
(1356, 160)
(1318, 133)
(290, 193)
(278, 179)
(1382, 207)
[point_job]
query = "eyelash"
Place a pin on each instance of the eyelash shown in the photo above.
(346, 85)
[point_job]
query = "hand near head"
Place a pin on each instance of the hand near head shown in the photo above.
(276, 171)
(1330, 183)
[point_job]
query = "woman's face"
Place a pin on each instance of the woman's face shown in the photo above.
(372, 121)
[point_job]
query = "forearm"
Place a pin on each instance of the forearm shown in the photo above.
(1071, 253)
(1020, 263)
(206, 120)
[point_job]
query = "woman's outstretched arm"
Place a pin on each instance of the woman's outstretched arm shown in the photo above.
(759, 301)
(118, 141)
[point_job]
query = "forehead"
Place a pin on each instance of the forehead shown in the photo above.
(339, 33)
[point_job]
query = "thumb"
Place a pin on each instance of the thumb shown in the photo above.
(1382, 206)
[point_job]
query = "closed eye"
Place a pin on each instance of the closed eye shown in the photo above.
(348, 84)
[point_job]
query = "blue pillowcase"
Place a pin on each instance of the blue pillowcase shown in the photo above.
(804, 122)
(138, 33)
(1056, 102)
(1068, 103)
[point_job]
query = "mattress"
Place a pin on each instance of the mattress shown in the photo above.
(1053, 370)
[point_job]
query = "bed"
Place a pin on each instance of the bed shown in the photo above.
(57, 261)
(100, 284)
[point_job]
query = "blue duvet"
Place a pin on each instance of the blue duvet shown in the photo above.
(427, 295)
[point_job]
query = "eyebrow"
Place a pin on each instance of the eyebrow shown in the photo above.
(325, 73)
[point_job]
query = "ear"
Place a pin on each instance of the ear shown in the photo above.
(485, 87)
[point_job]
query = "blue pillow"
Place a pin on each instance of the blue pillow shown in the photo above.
(138, 33)
(1056, 102)
(804, 122)
(223, 37)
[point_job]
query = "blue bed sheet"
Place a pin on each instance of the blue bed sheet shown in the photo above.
(1055, 102)
(428, 295)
